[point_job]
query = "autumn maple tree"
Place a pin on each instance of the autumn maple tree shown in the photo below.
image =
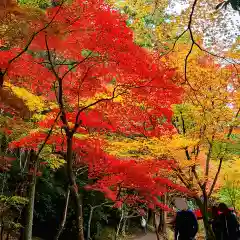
(84, 62)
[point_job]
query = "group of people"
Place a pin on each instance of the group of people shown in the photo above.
(223, 222)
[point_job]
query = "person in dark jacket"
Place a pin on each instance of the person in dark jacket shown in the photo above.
(229, 223)
(186, 225)
(216, 223)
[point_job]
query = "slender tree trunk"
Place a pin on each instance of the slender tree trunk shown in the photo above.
(89, 223)
(155, 226)
(30, 207)
(150, 217)
(2, 229)
(74, 188)
(120, 222)
(32, 189)
(204, 211)
(60, 230)
(162, 228)
(124, 227)
(207, 227)
(161, 225)
(162, 217)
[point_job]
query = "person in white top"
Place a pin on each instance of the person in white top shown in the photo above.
(144, 224)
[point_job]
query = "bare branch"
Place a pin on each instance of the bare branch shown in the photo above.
(221, 159)
(76, 64)
(197, 179)
(48, 136)
(33, 37)
(93, 104)
(174, 44)
(60, 88)
(216, 177)
(232, 127)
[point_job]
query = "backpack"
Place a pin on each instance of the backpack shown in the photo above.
(230, 226)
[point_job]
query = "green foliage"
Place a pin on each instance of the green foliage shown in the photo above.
(13, 200)
(11, 208)
(234, 3)
(54, 161)
(230, 194)
(43, 4)
(234, 147)
(87, 53)
(185, 112)
(222, 150)
(49, 192)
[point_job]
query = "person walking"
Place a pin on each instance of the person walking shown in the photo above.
(186, 225)
(229, 224)
(144, 225)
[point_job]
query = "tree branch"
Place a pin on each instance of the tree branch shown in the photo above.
(216, 177)
(33, 37)
(48, 136)
(221, 159)
(77, 123)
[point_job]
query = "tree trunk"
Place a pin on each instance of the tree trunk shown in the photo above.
(208, 229)
(120, 222)
(124, 227)
(60, 230)
(155, 226)
(150, 217)
(161, 226)
(89, 223)
(74, 188)
(30, 207)
(162, 218)
(204, 211)
(2, 229)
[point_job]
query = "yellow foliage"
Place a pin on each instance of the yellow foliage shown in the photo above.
(33, 102)
(206, 91)
(54, 161)
(99, 96)
(150, 148)
(37, 117)
(82, 136)
(181, 142)
(136, 148)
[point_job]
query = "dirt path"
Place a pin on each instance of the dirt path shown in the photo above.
(149, 236)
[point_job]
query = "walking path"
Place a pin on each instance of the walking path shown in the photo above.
(149, 236)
